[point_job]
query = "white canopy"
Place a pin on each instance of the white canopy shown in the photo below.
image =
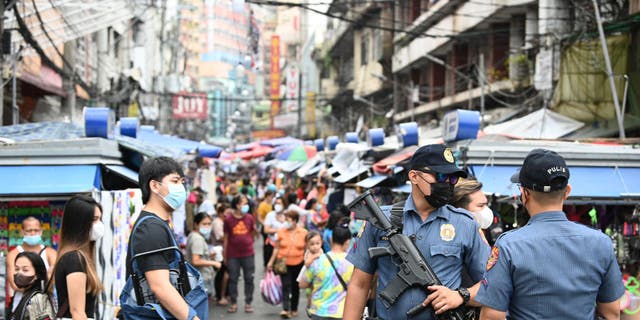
(541, 124)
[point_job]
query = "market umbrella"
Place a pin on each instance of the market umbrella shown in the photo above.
(298, 153)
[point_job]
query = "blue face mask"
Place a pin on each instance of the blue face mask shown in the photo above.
(318, 207)
(177, 195)
(244, 208)
(32, 240)
(206, 232)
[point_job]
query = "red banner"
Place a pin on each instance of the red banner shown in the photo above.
(190, 106)
(275, 76)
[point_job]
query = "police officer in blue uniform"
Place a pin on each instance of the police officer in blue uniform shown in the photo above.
(551, 268)
(447, 237)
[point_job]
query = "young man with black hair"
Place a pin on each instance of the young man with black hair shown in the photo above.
(162, 183)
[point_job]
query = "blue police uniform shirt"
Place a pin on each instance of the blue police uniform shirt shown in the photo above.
(449, 239)
(551, 268)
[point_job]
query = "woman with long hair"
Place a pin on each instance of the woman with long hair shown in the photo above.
(75, 276)
(30, 276)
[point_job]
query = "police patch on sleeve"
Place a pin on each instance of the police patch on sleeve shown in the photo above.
(364, 224)
(493, 258)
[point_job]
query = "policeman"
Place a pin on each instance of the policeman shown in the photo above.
(551, 268)
(447, 237)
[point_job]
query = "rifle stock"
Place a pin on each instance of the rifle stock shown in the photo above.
(414, 271)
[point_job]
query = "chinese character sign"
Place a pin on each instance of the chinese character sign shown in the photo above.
(190, 106)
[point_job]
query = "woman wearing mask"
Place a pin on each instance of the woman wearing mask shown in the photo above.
(273, 222)
(239, 231)
(468, 195)
(317, 216)
(290, 247)
(75, 276)
(198, 249)
(30, 276)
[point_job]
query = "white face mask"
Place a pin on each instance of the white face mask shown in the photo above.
(97, 231)
(484, 217)
(278, 207)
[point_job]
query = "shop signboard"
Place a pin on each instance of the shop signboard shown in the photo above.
(275, 76)
(190, 106)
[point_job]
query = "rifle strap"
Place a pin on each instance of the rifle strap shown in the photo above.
(397, 213)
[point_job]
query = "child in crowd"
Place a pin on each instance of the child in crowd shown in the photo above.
(313, 242)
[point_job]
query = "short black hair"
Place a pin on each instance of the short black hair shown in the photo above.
(156, 169)
(199, 217)
(341, 232)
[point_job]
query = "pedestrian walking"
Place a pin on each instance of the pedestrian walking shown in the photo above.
(274, 221)
(328, 276)
(447, 237)
(290, 247)
(221, 280)
(239, 230)
(198, 253)
(75, 277)
(551, 268)
(30, 277)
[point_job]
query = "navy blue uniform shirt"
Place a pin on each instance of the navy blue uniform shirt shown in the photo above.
(449, 239)
(551, 268)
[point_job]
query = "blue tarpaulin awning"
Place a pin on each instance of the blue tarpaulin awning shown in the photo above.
(46, 180)
(586, 182)
(125, 172)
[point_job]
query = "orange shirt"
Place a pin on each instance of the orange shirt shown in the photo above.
(292, 245)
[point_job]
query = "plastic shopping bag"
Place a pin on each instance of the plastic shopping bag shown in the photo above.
(271, 288)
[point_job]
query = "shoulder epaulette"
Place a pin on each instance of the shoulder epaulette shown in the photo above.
(461, 211)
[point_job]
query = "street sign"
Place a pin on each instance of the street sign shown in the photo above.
(190, 106)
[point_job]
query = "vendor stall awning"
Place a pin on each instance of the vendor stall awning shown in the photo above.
(124, 172)
(371, 181)
(351, 174)
(45, 180)
(586, 182)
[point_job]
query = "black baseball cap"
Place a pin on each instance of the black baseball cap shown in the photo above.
(543, 171)
(435, 157)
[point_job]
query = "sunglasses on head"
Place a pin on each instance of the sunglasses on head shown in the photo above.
(443, 177)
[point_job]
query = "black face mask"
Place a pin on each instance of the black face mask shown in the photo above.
(441, 194)
(23, 281)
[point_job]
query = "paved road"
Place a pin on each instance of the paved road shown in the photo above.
(262, 310)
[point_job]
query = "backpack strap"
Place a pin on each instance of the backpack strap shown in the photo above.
(184, 286)
(397, 213)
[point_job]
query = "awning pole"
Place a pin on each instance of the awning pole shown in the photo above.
(607, 61)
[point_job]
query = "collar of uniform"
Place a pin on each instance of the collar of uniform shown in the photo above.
(409, 206)
(548, 216)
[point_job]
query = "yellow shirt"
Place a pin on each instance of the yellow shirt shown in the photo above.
(263, 209)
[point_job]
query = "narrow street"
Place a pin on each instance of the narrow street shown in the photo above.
(262, 310)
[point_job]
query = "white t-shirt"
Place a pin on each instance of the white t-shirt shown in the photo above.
(271, 220)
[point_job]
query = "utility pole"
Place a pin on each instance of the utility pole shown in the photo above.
(481, 74)
(299, 103)
(14, 96)
(69, 55)
(607, 62)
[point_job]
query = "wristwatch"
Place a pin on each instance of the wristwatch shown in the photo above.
(464, 293)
